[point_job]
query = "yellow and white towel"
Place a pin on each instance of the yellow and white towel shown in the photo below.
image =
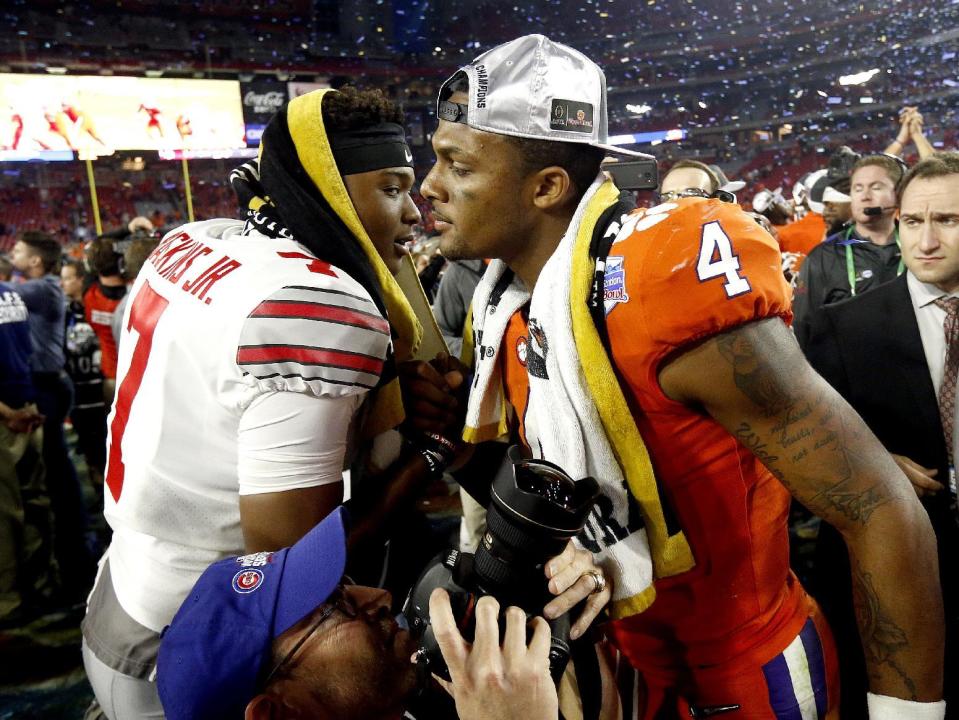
(574, 399)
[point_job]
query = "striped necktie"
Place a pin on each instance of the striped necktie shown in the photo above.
(947, 390)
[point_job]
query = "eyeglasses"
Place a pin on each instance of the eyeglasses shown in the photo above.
(688, 192)
(338, 601)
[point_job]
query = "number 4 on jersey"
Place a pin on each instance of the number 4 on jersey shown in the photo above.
(715, 242)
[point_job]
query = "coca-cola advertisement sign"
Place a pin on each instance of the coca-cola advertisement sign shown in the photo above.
(265, 103)
(261, 101)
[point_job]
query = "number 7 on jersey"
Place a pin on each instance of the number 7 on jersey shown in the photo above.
(145, 311)
(717, 259)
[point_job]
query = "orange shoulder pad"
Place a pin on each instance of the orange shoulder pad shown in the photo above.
(690, 269)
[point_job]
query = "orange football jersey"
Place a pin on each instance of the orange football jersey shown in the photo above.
(676, 274)
(797, 239)
(802, 235)
(513, 359)
(706, 267)
(99, 313)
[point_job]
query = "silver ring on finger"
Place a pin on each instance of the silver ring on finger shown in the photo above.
(599, 581)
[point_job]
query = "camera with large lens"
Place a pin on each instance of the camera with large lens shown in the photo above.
(534, 510)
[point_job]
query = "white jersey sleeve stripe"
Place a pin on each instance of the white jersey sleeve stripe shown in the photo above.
(307, 355)
(328, 291)
(287, 371)
(325, 340)
(297, 309)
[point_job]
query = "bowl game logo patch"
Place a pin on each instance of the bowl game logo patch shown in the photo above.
(571, 115)
(246, 581)
(614, 283)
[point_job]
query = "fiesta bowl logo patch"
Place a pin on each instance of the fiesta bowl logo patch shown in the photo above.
(571, 115)
(614, 284)
(246, 581)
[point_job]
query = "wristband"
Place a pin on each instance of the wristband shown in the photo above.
(434, 462)
(444, 446)
(436, 450)
(884, 707)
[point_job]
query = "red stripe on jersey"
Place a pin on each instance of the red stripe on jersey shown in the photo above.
(270, 354)
(319, 311)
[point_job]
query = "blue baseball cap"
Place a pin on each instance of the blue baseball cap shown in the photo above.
(212, 653)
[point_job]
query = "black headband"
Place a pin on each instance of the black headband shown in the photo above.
(372, 148)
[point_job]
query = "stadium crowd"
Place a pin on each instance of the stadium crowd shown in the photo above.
(272, 399)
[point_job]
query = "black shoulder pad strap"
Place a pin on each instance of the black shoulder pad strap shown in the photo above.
(599, 248)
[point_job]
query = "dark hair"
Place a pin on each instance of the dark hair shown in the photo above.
(936, 165)
(77, 265)
(136, 255)
(580, 161)
(714, 182)
(352, 109)
(104, 259)
(460, 82)
(6, 268)
(350, 700)
(46, 247)
(894, 168)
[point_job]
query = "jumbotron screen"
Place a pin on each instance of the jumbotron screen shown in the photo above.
(96, 115)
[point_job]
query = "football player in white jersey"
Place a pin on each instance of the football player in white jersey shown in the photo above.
(258, 360)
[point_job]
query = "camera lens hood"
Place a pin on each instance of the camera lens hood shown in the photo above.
(549, 498)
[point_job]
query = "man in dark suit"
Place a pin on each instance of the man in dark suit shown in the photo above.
(893, 353)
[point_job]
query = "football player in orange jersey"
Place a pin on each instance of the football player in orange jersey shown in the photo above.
(696, 310)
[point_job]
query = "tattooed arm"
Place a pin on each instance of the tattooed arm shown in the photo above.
(755, 382)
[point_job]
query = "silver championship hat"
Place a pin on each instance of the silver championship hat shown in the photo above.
(535, 88)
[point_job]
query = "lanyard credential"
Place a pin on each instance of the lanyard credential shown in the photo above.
(851, 263)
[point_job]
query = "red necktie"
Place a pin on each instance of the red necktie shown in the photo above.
(947, 390)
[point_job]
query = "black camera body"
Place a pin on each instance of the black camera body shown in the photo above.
(535, 509)
(454, 573)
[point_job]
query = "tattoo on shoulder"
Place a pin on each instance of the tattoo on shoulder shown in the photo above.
(752, 373)
(804, 423)
(881, 637)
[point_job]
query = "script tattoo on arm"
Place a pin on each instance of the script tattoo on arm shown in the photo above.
(759, 387)
(803, 423)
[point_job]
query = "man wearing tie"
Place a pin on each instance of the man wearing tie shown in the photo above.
(893, 353)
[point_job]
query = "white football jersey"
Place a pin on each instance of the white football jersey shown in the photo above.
(216, 318)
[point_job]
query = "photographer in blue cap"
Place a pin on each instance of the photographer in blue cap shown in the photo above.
(284, 635)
